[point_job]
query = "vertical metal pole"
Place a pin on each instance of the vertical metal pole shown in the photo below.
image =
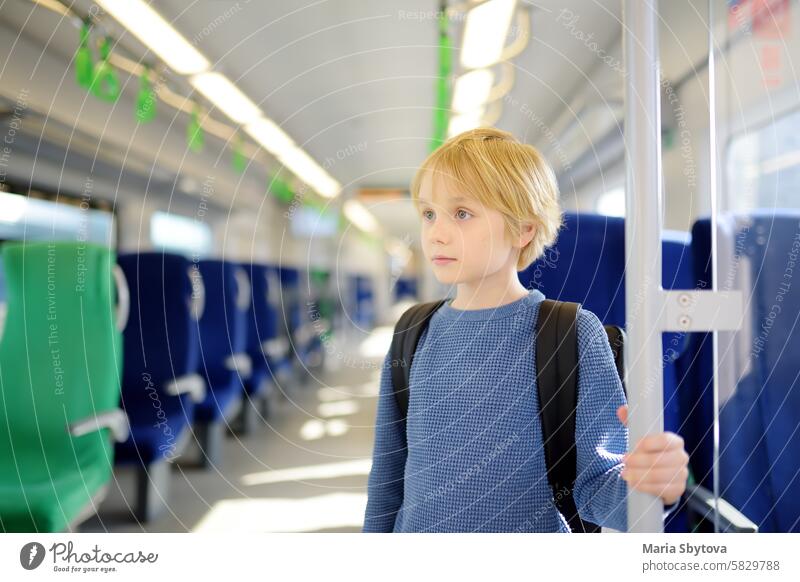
(715, 266)
(643, 349)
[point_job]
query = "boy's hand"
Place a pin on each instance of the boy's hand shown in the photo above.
(658, 464)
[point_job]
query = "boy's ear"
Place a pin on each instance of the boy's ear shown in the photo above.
(527, 232)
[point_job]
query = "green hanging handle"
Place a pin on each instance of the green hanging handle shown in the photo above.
(239, 160)
(105, 83)
(194, 132)
(440, 114)
(146, 99)
(84, 67)
(280, 189)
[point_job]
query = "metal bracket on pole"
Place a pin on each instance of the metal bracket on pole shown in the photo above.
(698, 310)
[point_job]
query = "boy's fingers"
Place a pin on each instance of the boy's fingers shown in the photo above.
(622, 414)
(672, 458)
(655, 475)
(659, 442)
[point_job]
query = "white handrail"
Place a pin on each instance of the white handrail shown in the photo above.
(643, 244)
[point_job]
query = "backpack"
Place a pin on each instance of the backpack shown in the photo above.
(557, 386)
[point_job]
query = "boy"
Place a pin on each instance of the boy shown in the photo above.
(475, 459)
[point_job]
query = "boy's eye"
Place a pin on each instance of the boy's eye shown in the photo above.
(462, 213)
(426, 214)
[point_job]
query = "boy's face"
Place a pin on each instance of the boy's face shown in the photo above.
(457, 226)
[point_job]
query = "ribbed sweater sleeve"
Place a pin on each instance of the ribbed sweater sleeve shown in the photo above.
(385, 484)
(600, 438)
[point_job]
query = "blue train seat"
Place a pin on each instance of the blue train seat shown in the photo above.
(262, 323)
(223, 358)
(160, 383)
(291, 319)
(278, 349)
(759, 416)
(405, 287)
(364, 313)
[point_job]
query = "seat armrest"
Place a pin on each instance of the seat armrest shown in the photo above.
(701, 501)
(115, 419)
(303, 334)
(193, 384)
(3, 314)
(275, 348)
(240, 363)
(123, 310)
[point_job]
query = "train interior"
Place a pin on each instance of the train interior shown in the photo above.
(207, 238)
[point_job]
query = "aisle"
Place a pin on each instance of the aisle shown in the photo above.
(305, 469)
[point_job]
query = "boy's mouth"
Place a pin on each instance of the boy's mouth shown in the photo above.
(442, 260)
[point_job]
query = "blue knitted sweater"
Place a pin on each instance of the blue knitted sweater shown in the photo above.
(475, 461)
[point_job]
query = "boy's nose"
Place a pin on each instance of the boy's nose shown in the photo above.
(440, 237)
(439, 232)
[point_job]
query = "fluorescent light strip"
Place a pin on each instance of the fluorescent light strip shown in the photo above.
(160, 37)
(323, 183)
(464, 122)
(157, 34)
(472, 90)
(326, 186)
(299, 162)
(485, 33)
(226, 97)
(271, 137)
(305, 168)
(360, 216)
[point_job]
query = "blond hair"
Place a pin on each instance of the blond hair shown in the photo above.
(506, 175)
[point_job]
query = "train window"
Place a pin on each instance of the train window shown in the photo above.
(172, 232)
(309, 222)
(31, 219)
(611, 202)
(763, 166)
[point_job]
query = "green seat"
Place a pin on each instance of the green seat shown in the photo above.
(60, 363)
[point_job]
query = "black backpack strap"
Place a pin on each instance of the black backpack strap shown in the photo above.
(407, 332)
(557, 384)
(616, 339)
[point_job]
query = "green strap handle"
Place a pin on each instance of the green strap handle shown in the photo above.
(105, 83)
(194, 132)
(440, 114)
(84, 67)
(238, 159)
(146, 99)
(280, 189)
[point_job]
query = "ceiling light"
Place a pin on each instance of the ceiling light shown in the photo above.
(157, 34)
(360, 216)
(472, 90)
(226, 97)
(464, 122)
(271, 137)
(304, 167)
(485, 33)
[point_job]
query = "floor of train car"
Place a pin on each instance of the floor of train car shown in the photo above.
(304, 471)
